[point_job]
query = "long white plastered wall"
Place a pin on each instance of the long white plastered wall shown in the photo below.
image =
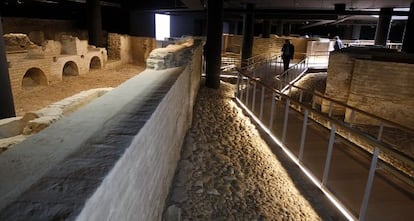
(113, 159)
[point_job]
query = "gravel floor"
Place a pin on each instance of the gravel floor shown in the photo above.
(227, 172)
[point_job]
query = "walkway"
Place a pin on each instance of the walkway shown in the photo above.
(227, 172)
(390, 199)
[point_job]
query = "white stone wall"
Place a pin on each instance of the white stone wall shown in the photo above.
(119, 152)
(137, 187)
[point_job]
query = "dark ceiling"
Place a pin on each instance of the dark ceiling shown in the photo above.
(116, 11)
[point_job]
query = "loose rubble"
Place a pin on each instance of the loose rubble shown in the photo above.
(227, 172)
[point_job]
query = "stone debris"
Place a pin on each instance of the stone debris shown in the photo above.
(18, 42)
(234, 175)
(15, 130)
(171, 56)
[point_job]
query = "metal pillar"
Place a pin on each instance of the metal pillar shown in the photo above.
(6, 98)
(383, 26)
(95, 23)
(213, 45)
(266, 29)
(239, 28)
(232, 27)
(279, 28)
(248, 28)
(348, 32)
(356, 32)
(408, 44)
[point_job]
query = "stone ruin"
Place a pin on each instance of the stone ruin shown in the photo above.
(174, 55)
(31, 64)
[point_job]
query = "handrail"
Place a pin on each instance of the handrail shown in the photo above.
(246, 84)
(340, 103)
(383, 146)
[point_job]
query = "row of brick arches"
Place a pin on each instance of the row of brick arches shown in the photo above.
(35, 76)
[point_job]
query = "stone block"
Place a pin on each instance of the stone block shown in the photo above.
(73, 46)
(338, 82)
(169, 57)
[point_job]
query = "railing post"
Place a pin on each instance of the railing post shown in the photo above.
(285, 120)
(241, 93)
(313, 101)
(330, 108)
(254, 96)
(261, 103)
(238, 84)
(300, 96)
(247, 92)
(329, 155)
(351, 120)
(303, 136)
(368, 187)
(381, 130)
(272, 108)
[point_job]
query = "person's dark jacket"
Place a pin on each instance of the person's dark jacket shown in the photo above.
(288, 50)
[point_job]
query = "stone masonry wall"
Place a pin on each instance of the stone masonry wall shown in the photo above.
(48, 61)
(129, 49)
(233, 43)
(50, 29)
(113, 164)
(372, 81)
(338, 82)
(384, 89)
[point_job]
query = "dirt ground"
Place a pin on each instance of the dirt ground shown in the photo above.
(36, 97)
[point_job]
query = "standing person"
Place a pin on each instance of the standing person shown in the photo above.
(338, 44)
(288, 50)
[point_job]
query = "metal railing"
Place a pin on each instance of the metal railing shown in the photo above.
(251, 93)
(291, 75)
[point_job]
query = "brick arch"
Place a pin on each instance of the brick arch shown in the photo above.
(33, 77)
(70, 69)
(95, 63)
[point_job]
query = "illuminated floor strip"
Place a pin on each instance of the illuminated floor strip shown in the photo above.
(328, 194)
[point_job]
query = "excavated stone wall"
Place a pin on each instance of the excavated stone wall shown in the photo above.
(113, 164)
(31, 64)
(130, 49)
(233, 43)
(374, 81)
(384, 89)
(40, 30)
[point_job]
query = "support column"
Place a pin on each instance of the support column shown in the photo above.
(248, 32)
(95, 23)
(347, 32)
(213, 44)
(408, 44)
(289, 31)
(232, 27)
(6, 97)
(266, 29)
(356, 32)
(383, 26)
(239, 28)
(279, 28)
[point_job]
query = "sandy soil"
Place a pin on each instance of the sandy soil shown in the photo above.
(37, 97)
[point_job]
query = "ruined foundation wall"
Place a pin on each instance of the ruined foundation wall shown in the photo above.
(113, 164)
(373, 82)
(384, 89)
(129, 49)
(234, 43)
(42, 29)
(47, 61)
